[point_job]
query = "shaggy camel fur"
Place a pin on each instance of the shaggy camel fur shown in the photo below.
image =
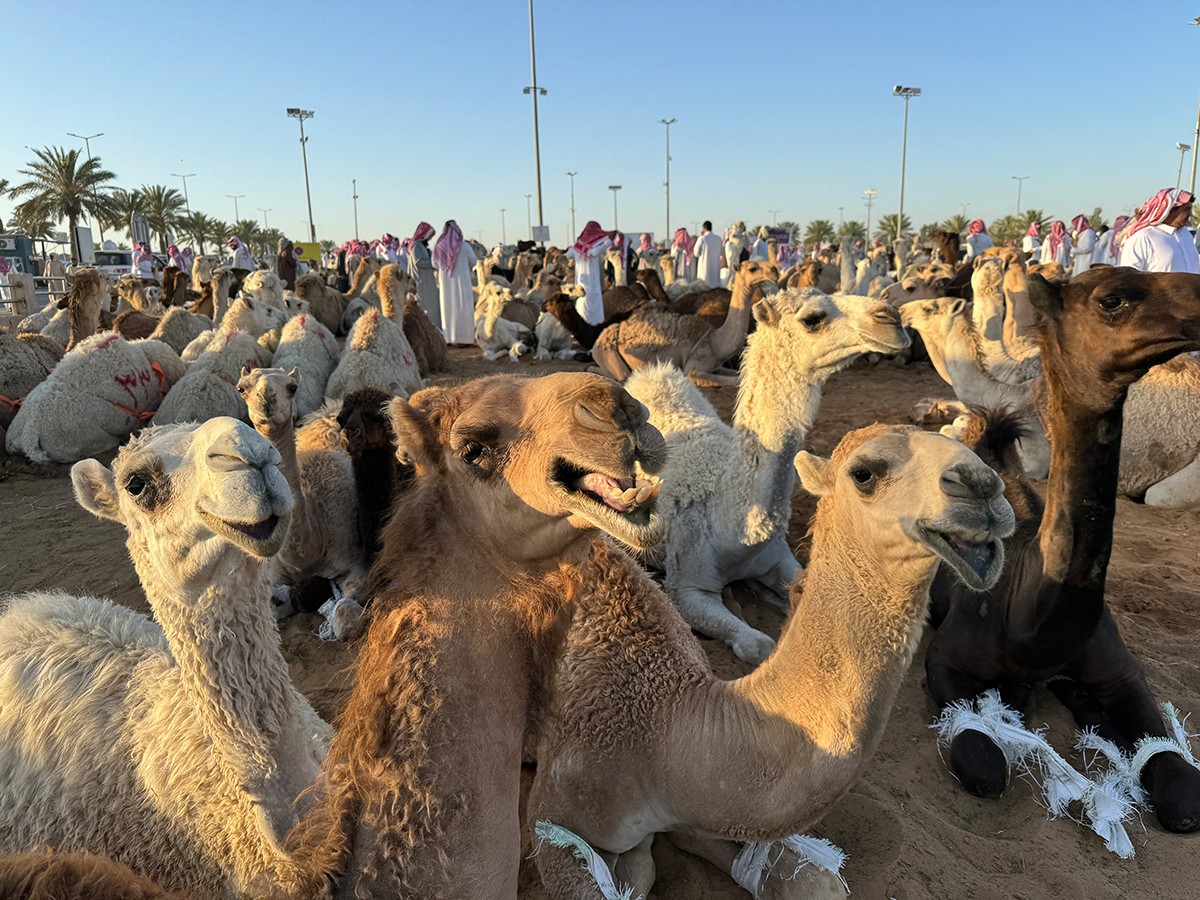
(25, 361)
(266, 287)
(209, 387)
(322, 541)
(307, 345)
(497, 335)
(178, 328)
(245, 315)
(203, 742)
(727, 492)
(377, 354)
(653, 335)
(102, 391)
(642, 738)
(75, 876)
(1047, 618)
(424, 337)
(419, 793)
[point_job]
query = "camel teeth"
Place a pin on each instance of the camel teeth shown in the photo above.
(643, 494)
(615, 493)
(657, 489)
(629, 496)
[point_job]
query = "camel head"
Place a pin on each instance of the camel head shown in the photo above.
(294, 305)
(987, 278)
(826, 333)
(756, 275)
(203, 268)
(913, 288)
(195, 499)
(253, 316)
(1105, 328)
(919, 494)
(363, 420)
(934, 316)
(539, 460)
(268, 394)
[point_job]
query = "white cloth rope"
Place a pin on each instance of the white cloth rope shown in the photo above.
(756, 860)
(593, 863)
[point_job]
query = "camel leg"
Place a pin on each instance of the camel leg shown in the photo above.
(635, 868)
(711, 379)
(562, 875)
(778, 581)
(1178, 491)
(704, 611)
(810, 882)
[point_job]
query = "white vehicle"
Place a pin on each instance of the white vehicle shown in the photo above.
(114, 263)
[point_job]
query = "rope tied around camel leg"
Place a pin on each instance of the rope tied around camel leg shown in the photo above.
(754, 863)
(593, 864)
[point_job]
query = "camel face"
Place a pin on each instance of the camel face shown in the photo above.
(559, 454)
(830, 332)
(1116, 323)
(191, 495)
(932, 316)
(268, 394)
(933, 495)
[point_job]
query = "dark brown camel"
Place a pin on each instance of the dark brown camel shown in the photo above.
(563, 308)
(1046, 618)
(946, 244)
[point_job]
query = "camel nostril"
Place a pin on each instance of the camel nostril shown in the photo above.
(970, 484)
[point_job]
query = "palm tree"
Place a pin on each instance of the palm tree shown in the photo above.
(819, 231)
(124, 205)
(62, 185)
(1096, 219)
(162, 207)
(956, 224)
(269, 239)
(852, 229)
(26, 220)
(3, 191)
(886, 231)
(327, 246)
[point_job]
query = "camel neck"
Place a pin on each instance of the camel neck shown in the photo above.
(284, 439)
(729, 338)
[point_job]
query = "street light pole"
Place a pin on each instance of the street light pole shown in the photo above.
(841, 217)
(574, 233)
(186, 203)
(264, 212)
(1183, 149)
(1020, 180)
(87, 142)
(774, 215)
(354, 187)
(870, 195)
(236, 198)
(534, 90)
(503, 229)
(907, 93)
(667, 222)
(528, 216)
(614, 188)
(302, 114)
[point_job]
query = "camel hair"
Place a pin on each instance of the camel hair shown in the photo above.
(377, 354)
(203, 741)
(209, 387)
(652, 335)
(514, 479)
(46, 875)
(308, 346)
(214, 300)
(563, 306)
(1047, 618)
(25, 361)
(398, 293)
(142, 294)
(99, 393)
(727, 491)
(244, 314)
(87, 294)
(322, 541)
(363, 293)
(815, 273)
(645, 739)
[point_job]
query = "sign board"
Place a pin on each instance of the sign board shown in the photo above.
(139, 228)
(310, 253)
(87, 249)
(541, 233)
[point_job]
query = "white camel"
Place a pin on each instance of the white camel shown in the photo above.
(377, 354)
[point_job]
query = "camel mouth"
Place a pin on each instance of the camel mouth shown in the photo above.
(977, 559)
(622, 506)
(262, 539)
(896, 340)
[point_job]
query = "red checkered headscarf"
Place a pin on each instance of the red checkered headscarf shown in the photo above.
(448, 246)
(1035, 230)
(1157, 208)
(423, 233)
(684, 240)
(592, 235)
(1080, 224)
(1058, 234)
(645, 244)
(976, 227)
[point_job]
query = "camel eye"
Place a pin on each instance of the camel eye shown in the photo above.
(135, 485)
(1111, 302)
(472, 452)
(812, 321)
(291, 388)
(865, 478)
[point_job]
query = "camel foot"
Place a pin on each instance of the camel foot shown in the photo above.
(1174, 788)
(810, 883)
(979, 764)
(753, 647)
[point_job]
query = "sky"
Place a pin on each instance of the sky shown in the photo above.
(783, 106)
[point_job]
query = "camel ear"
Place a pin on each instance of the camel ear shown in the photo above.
(957, 306)
(816, 473)
(765, 313)
(95, 489)
(1045, 296)
(416, 436)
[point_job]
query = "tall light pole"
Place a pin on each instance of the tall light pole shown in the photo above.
(528, 216)
(614, 188)
(574, 233)
(264, 212)
(774, 215)
(354, 189)
(87, 142)
(235, 198)
(667, 221)
(1196, 139)
(503, 229)
(302, 114)
(841, 217)
(534, 91)
(1020, 180)
(869, 193)
(1183, 149)
(186, 203)
(907, 93)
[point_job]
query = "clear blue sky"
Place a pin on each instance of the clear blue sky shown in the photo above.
(780, 105)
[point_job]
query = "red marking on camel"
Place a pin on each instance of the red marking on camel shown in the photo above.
(303, 320)
(230, 336)
(148, 414)
(106, 343)
(128, 382)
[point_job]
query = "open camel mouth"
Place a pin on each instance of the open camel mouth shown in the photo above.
(977, 559)
(261, 539)
(622, 506)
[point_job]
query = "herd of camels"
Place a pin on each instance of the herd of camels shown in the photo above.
(533, 555)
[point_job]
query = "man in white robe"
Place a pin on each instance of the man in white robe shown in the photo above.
(588, 253)
(684, 256)
(978, 239)
(708, 254)
(420, 267)
(453, 258)
(759, 249)
(1083, 244)
(1058, 245)
(1160, 240)
(1032, 242)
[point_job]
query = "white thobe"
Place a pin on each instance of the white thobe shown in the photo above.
(1063, 257)
(1032, 246)
(685, 265)
(708, 259)
(243, 259)
(1085, 244)
(588, 267)
(759, 250)
(457, 299)
(977, 243)
(1104, 249)
(1162, 248)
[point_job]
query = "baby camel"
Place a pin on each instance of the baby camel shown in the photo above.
(642, 738)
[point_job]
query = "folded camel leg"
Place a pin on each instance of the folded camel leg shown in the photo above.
(810, 882)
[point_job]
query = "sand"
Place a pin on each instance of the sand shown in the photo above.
(909, 830)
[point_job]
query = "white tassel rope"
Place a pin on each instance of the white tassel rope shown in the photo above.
(1104, 803)
(592, 861)
(754, 862)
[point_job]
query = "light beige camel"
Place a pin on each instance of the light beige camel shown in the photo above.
(653, 335)
(727, 494)
(138, 293)
(176, 746)
(642, 738)
(86, 297)
(419, 793)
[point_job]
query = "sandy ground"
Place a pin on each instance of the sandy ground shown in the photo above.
(909, 831)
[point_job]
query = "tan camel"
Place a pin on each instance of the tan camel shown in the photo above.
(653, 335)
(87, 295)
(648, 740)
(514, 477)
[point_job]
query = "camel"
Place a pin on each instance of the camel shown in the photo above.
(815, 273)
(846, 265)
(203, 741)
(727, 495)
(141, 294)
(513, 483)
(307, 345)
(377, 354)
(322, 541)
(497, 335)
(1047, 618)
(640, 736)
(653, 335)
(214, 298)
(25, 361)
(83, 302)
(202, 271)
(397, 292)
(74, 876)
(244, 315)
(563, 307)
(208, 388)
